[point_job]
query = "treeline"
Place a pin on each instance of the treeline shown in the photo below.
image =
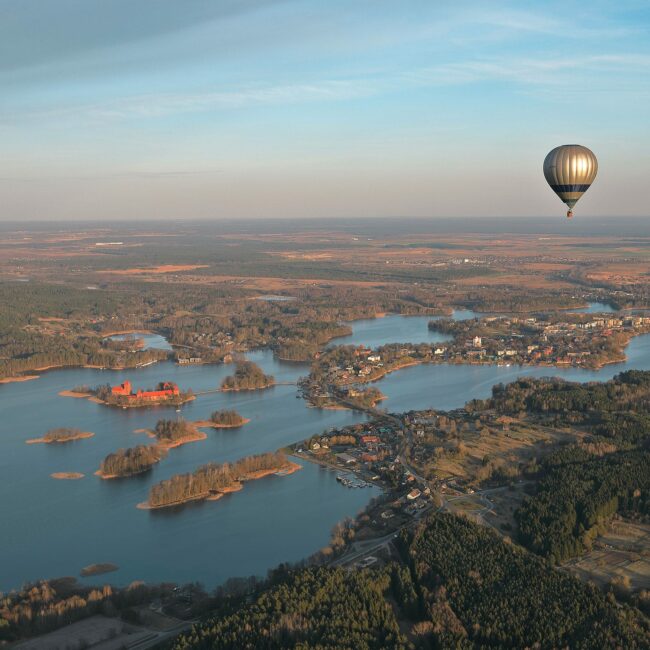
(518, 299)
(211, 479)
(476, 590)
(227, 418)
(48, 605)
(312, 608)
(577, 497)
(135, 460)
(62, 434)
(618, 410)
(247, 376)
(582, 485)
(460, 586)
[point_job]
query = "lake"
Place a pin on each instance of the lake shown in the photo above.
(53, 527)
(150, 340)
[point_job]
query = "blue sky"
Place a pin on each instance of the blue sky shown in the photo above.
(205, 109)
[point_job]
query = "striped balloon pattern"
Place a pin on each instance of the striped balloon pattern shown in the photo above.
(570, 170)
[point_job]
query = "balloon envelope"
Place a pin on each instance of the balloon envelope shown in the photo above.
(570, 170)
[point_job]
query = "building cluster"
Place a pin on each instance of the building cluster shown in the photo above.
(530, 340)
(165, 390)
(371, 452)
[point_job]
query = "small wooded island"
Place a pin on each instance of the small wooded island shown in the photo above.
(212, 481)
(223, 420)
(130, 462)
(165, 393)
(174, 433)
(61, 435)
(247, 376)
(140, 459)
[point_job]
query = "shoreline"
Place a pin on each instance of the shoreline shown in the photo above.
(287, 469)
(17, 378)
(109, 477)
(92, 398)
(81, 436)
(204, 424)
(237, 390)
(194, 437)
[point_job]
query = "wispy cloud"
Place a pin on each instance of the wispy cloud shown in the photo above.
(526, 72)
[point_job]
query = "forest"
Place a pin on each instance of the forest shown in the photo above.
(63, 434)
(227, 418)
(247, 376)
(577, 497)
(459, 586)
(212, 479)
(50, 604)
(582, 485)
(169, 432)
(131, 461)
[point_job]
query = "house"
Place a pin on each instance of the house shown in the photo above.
(346, 459)
(413, 494)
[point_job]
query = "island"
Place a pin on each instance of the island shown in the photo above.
(247, 376)
(174, 433)
(97, 569)
(212, 481)
(60, 435)
(67, 476)
(223, 419)
(166, 393)
(130, 462)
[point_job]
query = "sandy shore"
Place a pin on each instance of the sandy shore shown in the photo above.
(75, 394)
(81, 436)
(11, 380)
(70, 476)
(194, 437)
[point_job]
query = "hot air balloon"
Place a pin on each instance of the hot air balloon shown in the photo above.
(570, 170)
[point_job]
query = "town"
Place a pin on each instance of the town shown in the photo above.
(577, 340)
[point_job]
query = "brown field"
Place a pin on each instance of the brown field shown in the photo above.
(623, 551)
(513, 279)
(162, 268)
(512, 447)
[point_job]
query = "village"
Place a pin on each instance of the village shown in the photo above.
(576, 340)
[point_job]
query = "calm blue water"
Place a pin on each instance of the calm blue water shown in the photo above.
(53, 528)
(150, 340)
(448, 386)
(374, 332)
(595, 308)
